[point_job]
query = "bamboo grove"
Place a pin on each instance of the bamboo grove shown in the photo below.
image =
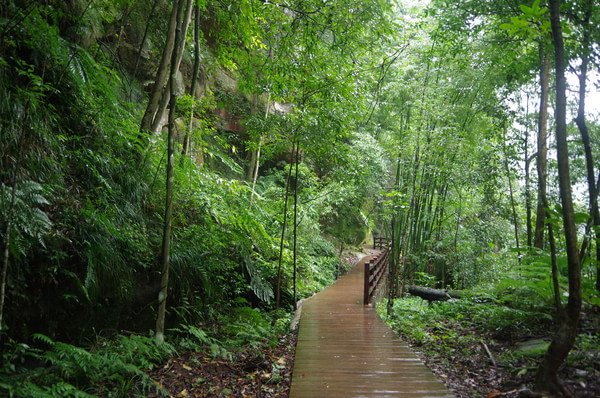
(193, 168)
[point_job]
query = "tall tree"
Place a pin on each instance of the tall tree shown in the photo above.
(180, 33)
(564, 338)
(533, 27)
(510, 191)
(162, 75)
(283, 227)
(316, 56)
(194, 85)
(542, 146)
(160, 95)
(585, 44)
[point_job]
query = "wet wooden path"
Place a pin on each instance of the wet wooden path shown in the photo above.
(345, 350)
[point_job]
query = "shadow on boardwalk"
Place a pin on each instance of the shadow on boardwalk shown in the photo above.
(345, 350)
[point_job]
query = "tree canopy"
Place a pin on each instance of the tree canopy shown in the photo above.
(213, 161)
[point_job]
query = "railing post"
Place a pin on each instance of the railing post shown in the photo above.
(366, 282)
(379, 242)
(377, 269)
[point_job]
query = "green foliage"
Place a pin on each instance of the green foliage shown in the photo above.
(59, 389)
(410, 317)
(318, 272)
(443, 205)
(193, 338)
(71, 118)
(505, 310)
(242, 328)
(495, 311)
(529, 285)
(247, 327)
(585, 344)
(112, 368)
(71, 145)
(435, 324)
(89, 205)
(424, 279)
(28, 220)
(533, 24)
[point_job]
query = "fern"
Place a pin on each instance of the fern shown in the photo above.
(196, 339)
(141, 351)
(57, 390)
(248, 327)
(189, 264)
(63, 389)
(260, 287)
(77, 70)
(28, 220)
(117, 366)
(530, 285)
(226, 160)
(44, 339)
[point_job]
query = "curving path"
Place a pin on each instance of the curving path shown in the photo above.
(345, 350)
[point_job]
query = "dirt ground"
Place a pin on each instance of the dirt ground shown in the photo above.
(261, 373)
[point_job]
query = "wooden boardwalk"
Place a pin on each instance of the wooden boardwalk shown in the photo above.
(345, 350)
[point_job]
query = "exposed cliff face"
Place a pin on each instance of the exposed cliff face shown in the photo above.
(134, 37)
(232, 106)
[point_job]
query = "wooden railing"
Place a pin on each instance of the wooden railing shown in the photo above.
(375, 273)
(380, 243)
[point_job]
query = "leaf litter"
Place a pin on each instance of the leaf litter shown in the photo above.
(472, 372)
(264, 372)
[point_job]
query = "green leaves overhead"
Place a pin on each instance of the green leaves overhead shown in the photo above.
(318, 56)
(533, 24)
(535, 11)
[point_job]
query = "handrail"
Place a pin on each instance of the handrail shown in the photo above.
(379, 242)
(375, 272)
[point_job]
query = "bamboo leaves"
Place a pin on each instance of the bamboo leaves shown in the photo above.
(27, 216)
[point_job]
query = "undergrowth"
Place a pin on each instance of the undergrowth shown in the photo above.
(507, 324)
(119, 366)
(111, 368)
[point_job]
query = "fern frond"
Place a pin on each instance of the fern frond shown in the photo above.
(226, 160)
(63, 389)
(261, 287)
(76, 68)
(44, 339)
(27, 217)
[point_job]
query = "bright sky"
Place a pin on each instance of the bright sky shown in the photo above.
(592, 98)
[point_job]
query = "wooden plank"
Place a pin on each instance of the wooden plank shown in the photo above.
(345, 350)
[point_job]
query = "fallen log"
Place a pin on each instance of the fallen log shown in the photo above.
(431, 294)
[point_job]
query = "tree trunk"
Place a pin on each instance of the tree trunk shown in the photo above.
(139, 54)
(585, 136)
(262, 139)
(296, 222)
(194, 86)
(512, 197)
(527, 160)
(251, 166)
(431, 294)
(285, 211)
(562, 342)
(8, 227)
(555, 284)
(165, 98)
(160, 97)
(542, 155)
(162, 73)
(394, 259)
(6, 252)
(166, 240)
(255, 160)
